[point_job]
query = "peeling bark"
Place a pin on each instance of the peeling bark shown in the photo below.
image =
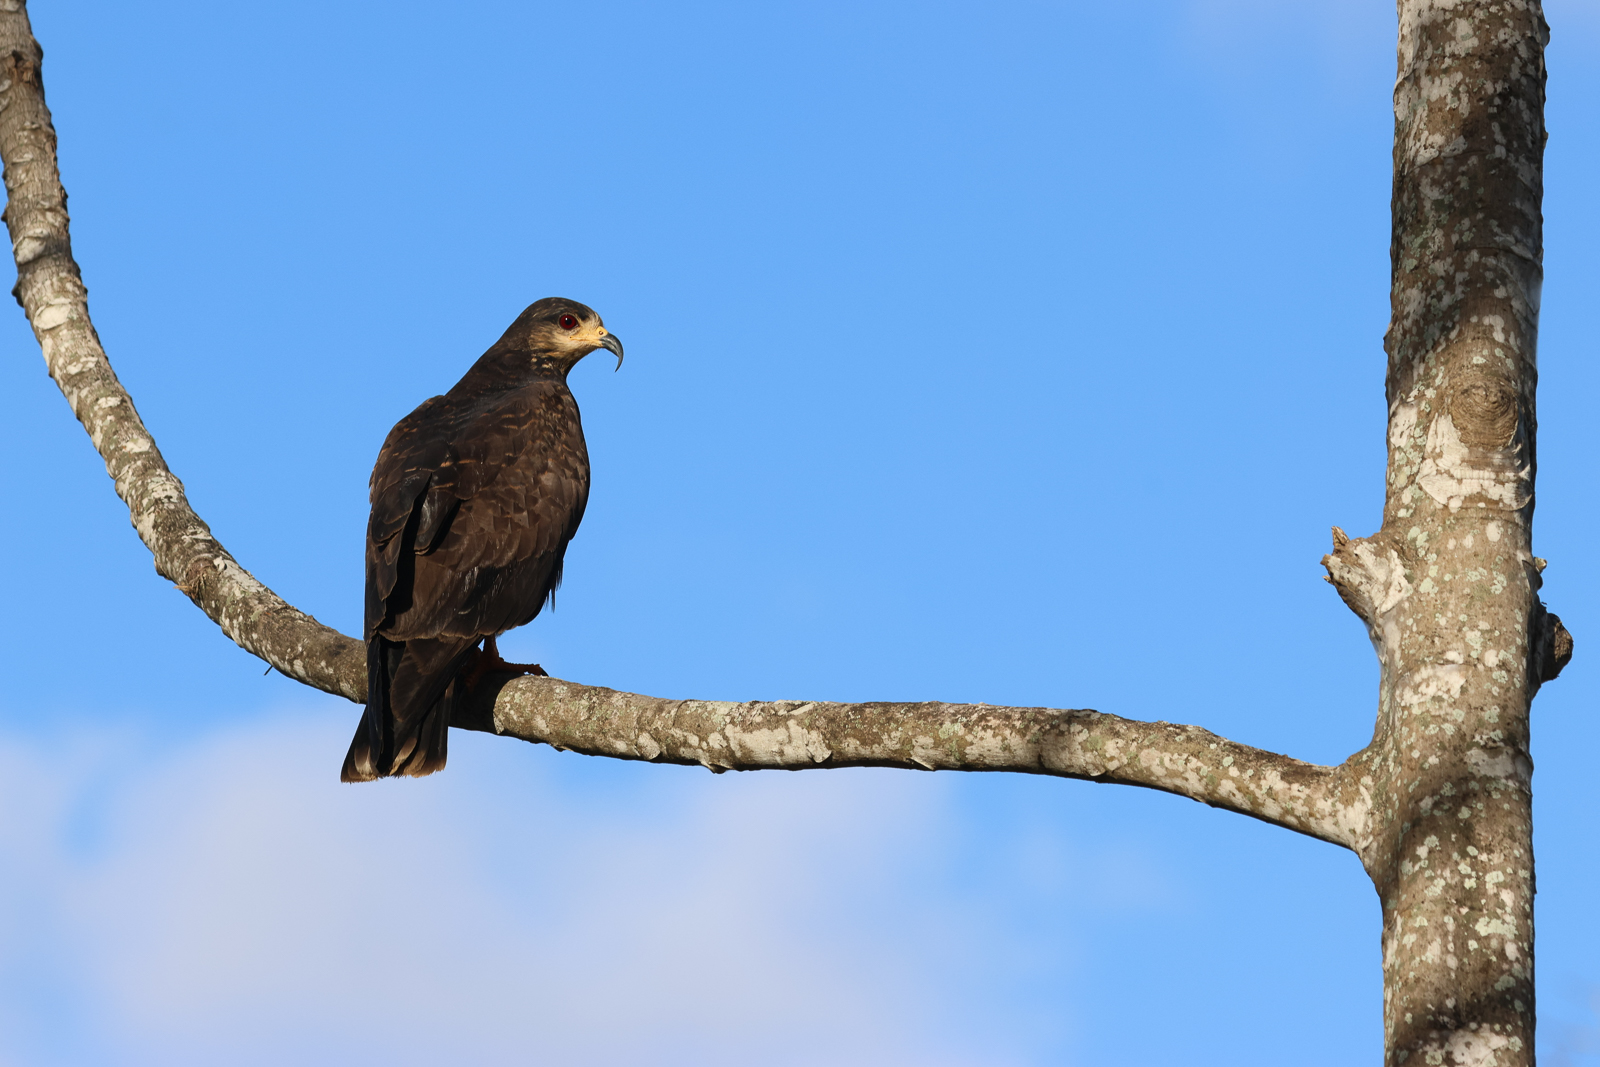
(1448, 588)
(1438, 806)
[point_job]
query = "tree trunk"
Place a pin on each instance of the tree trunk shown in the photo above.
(1449, 586)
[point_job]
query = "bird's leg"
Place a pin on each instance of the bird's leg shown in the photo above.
(494, 663)
(488, 661)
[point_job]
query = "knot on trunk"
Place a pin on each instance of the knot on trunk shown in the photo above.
(1552, 645)
(19, 65)
(1484, 409)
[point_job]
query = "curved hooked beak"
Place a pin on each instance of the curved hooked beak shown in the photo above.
(610, 343)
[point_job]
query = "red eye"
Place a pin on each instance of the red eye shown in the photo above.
(568, 322)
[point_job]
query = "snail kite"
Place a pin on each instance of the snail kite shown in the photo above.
(474, 497)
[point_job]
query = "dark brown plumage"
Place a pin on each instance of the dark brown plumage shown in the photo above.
(474, 497)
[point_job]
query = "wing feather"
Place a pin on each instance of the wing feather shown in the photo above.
(472, 512)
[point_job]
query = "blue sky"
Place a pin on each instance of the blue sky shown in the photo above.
(970, 347)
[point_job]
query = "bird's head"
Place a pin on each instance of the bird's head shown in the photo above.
(564, 331)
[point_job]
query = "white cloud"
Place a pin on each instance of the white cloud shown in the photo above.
(1574, 1043)
(236, 904)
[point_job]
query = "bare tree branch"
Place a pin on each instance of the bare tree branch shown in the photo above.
(798, 735)
(51, 291)
(1184, 760)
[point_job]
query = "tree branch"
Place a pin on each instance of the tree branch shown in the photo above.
(797, 735)
(1185, 760)
(51, 291)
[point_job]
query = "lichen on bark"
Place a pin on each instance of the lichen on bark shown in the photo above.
(1449, 586)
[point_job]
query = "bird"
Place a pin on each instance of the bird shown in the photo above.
(474, 495)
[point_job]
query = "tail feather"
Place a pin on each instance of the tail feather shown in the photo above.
(411, 694)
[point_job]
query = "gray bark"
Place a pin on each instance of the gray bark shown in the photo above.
(1449, 586)
(1437, 807)
(800, 735)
